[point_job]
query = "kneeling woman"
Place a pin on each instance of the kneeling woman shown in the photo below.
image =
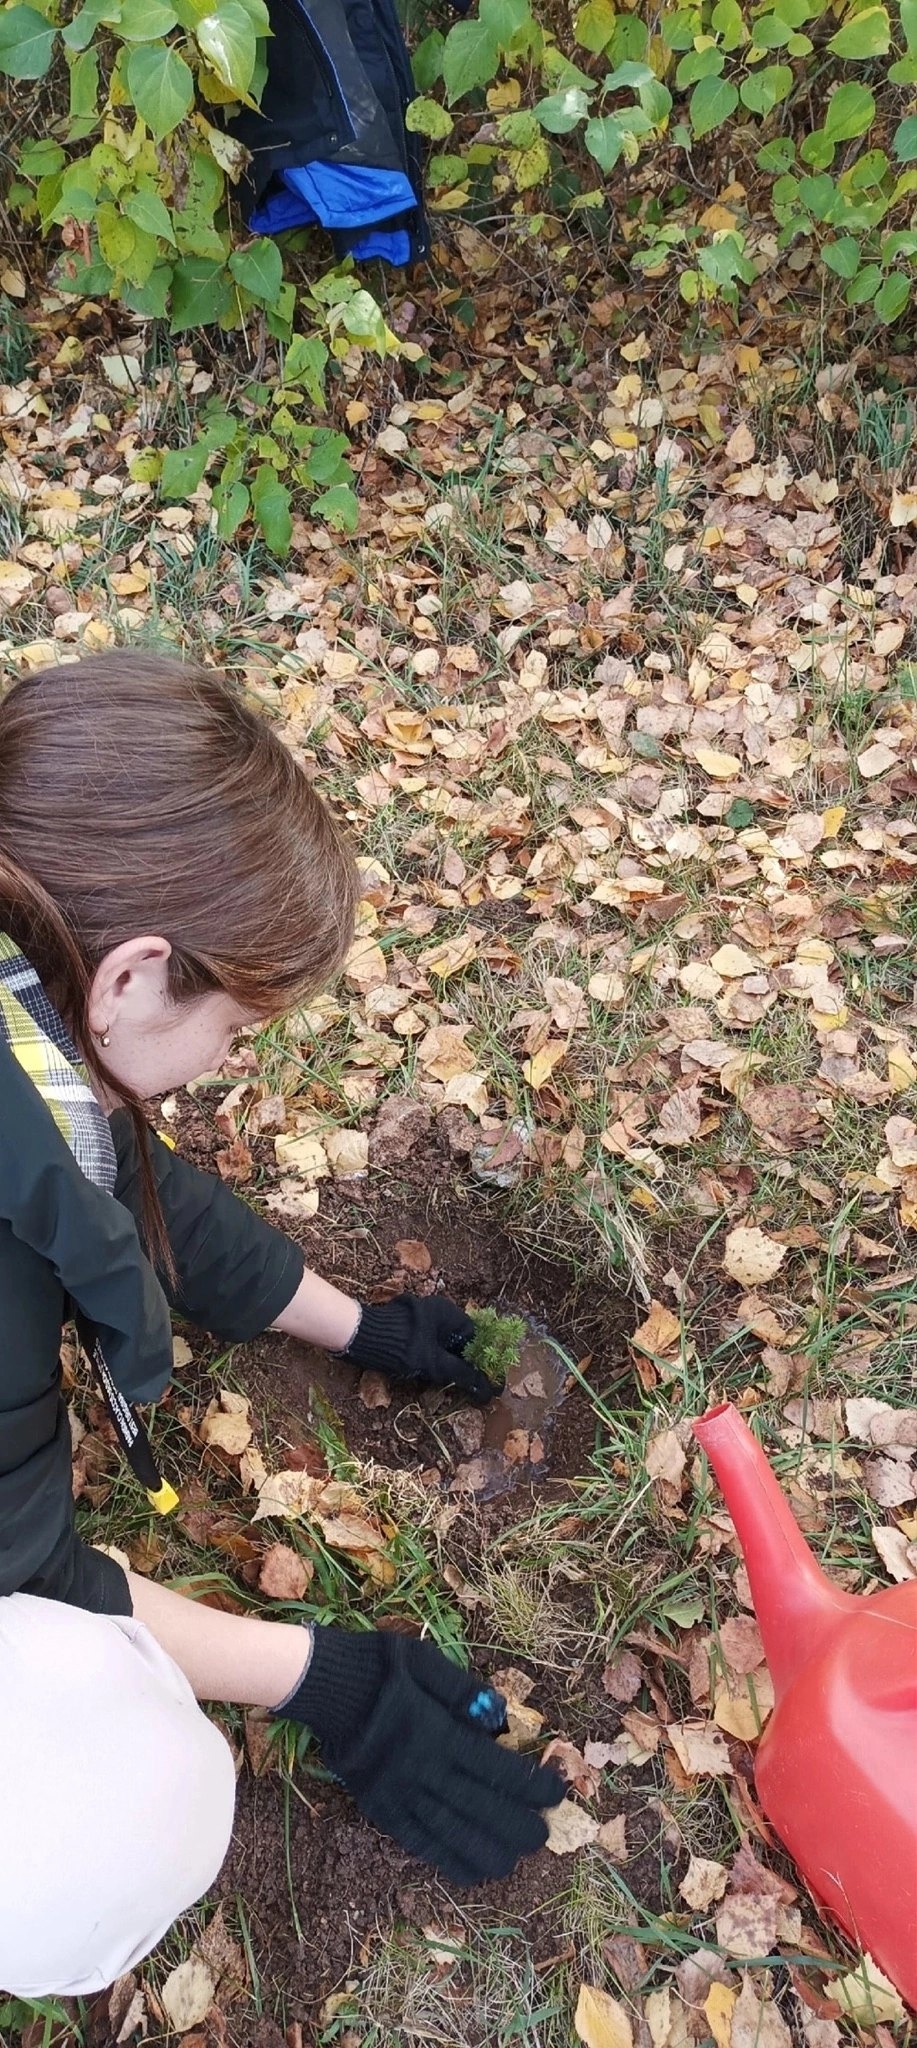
(168, 876)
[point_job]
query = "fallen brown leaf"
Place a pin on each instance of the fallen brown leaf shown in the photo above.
(284, 1575)
(414, 1256)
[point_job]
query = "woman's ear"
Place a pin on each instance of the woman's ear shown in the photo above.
(130, 985)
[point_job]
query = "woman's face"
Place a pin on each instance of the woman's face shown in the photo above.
(155, 1044)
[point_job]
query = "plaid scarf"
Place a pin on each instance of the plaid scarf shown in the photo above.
(38, 1039)
(42, 1045)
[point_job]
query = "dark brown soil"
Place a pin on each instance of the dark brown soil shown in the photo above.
(351, 1885)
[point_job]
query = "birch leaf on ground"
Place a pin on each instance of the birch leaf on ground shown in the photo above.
(700, 1749)
(570, 1828)
(867, 1995)
(187, 1994)
(704, 1882)
(751, 1257)
(600, 2020)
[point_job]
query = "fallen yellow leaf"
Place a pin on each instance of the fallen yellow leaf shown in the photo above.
(540, 1067)
(723, 767)
(600, 2020)
(719, 2006)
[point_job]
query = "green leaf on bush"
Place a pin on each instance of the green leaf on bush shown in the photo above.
(427, 60)
(26, 42)
(503, 18)
(470, 58)
(905, 142)
(892, 297)
(656, 101)
(711, 103)
(771, 32)
(339, 508)
(271, 506)
(604, 139)
(843, 256)
(777, 156)
(864, 35)
(864, 286)
(364, 321)
(815, 149)
(41, 158)
(160, 85)
(183, 469)
(728, 22)
(562, 111)
(117, 236)
(258, 269)
(227, 39)
(851, 110)
(84, 94)
(148, 211)
(305, 362)
(144, 21)
(763, 90)
(427, 117)
(626, 74)
(79, 32)
(232, 506)
(594, 25)
(200, 293)
(698, 64)
(820, 195)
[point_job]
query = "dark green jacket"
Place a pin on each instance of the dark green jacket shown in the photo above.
(66, 1245)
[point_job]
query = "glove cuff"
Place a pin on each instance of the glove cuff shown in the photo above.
(382, 1336)
(341, 1684)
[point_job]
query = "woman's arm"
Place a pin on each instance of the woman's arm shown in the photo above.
(319, 1314)
(235, 1657)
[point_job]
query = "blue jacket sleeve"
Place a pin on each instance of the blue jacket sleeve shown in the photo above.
(235, 1272)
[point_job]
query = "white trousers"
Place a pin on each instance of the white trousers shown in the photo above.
(116, 1797)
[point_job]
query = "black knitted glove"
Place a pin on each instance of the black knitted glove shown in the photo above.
(410, 1735)
(419, 1337)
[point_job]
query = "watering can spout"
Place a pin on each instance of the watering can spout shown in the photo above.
(796, 1604)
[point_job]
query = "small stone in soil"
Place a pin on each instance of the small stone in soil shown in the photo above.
(468, 1427)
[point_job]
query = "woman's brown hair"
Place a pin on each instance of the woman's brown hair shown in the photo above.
(139, 794)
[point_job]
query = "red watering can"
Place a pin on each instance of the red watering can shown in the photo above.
(836, 1766)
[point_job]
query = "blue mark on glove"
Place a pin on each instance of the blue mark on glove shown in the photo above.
(488, 1708)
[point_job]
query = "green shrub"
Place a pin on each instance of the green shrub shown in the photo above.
(131, 179)
(813, 101)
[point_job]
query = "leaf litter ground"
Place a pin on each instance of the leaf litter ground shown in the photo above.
(617, 692)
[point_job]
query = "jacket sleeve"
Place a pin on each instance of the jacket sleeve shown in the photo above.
(235, 1272)
(89, 1241)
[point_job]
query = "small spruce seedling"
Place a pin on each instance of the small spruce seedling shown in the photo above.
(496, 1343)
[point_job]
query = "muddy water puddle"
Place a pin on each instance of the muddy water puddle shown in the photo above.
(479, 1451)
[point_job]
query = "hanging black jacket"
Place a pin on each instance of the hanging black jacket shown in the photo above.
(66, 1244)
(328, 141)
